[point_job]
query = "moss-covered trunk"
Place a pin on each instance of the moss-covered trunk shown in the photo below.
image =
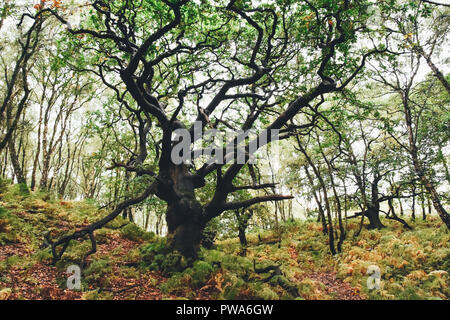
(184, 214)
(373, 214)
(185, 227)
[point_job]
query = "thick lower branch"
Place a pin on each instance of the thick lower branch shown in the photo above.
(89, 230)
(255, 187)
(247, 203)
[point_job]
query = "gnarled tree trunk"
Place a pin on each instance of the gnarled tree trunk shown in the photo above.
(373, 214)
(373, 210)
(185, 226)
(184, 214)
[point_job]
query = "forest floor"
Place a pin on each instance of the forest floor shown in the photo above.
(413, 264)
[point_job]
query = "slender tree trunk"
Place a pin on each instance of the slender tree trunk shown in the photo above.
(282, 211)
(5, 161)
(345, 202)
(242, 237)
(325, 196)
(15, 163)
(422, 204)
(276, 205)
(242, 222)
(22, 149)
(147, 219)
(361, 185)
(45, 153)
(418, 166)
(338, 203)
(127, 214)
(43, 184)
(38, 151)
(321, 215)
(291, 213)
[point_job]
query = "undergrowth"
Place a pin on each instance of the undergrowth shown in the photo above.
(413, 264)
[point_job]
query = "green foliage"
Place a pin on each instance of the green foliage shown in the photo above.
(200, 273)
(134, 233)
(263, 291)
(209, 234)
(7, 222)
(10, 262)
(190, 279)
(98, 271)
(16, 192)
(234, 269)
(98, 268)
(233, 263)
(149, 251)
(171, 262)
(3, 212)
(23, 190)
(409, 293)
(4, 185)
(414, 264)
(44, 255)
(156, 256)
(75, 254)
(97, 295)
(101, 236)
(234, 286)
(178, 284)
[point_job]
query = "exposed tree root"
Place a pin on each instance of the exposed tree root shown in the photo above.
(277, 277)
(276, 270)
(397, 218)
